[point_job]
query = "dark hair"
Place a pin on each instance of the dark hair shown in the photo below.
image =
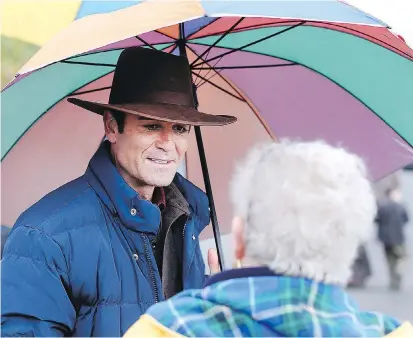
(119, 117)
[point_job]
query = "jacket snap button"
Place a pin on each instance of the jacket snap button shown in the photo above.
(136, 257)
(133, 211)
(193, 237)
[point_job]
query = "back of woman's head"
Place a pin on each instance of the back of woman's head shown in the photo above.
(307, 206)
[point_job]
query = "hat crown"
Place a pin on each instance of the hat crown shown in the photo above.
(149, 76)
(155, 85)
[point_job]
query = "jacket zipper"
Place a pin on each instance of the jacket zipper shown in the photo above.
(183, 232)
(151, 272)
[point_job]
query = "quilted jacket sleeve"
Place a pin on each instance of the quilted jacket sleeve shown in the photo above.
(34, 280)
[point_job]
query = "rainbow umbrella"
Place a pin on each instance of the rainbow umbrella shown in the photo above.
(304, 69)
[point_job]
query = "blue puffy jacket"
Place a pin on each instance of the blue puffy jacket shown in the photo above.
(79, 262)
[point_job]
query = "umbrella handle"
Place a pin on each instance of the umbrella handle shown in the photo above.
(213, 214)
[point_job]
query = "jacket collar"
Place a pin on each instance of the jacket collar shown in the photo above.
(123, 202)
(121, 199)
(260, 271)
(197, 200)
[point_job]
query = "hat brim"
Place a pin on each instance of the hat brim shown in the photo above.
(159, 111)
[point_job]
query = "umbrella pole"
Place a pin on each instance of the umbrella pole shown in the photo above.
(202, 157)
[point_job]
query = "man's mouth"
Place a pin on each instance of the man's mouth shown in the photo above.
(159, 161)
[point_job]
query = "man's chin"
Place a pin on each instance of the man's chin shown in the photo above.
(162, 182)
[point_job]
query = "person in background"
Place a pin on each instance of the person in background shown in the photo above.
(361, 269)
(391, 219)
(301, 212)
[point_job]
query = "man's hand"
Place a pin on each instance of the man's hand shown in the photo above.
(213, 262)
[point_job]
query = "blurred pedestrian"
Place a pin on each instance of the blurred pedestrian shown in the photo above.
(391, 219)
(361, 269)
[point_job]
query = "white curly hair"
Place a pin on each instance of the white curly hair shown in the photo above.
(307, 206)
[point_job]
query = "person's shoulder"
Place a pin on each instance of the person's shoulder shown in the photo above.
(62, 209)
(188, 308)
(382, 323)
(188, 302)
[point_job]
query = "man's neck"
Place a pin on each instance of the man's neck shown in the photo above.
(144, 191)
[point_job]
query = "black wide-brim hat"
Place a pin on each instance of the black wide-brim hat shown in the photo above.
(154, 85)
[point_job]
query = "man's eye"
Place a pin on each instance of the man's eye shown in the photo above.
(181, 129)
(152, 127)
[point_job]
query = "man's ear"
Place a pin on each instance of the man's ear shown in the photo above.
(111, 126)
(238, 233)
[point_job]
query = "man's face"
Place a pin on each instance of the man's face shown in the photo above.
(148, 152)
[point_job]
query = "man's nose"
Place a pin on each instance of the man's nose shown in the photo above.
(165, 141)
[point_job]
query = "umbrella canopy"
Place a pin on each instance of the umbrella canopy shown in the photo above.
(37, 21)
(284, 69)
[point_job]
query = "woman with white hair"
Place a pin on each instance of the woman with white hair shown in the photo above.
(302, 210)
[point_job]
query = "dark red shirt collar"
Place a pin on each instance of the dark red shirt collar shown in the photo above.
(159, 198)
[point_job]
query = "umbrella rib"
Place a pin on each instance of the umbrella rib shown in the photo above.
(206, 52)
(247, 67)
(218, 40)
(209, 79)
(213, 75)
(199, 72)
(91, 91)
(202, 28)
(200, 83)
(251, 43)
(88, 63)
(166, 35)
(145, 42)
(211, 68)
(218, 87)
(251, 27)
(369, 36)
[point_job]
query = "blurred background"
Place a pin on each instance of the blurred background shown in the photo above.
(375, 294)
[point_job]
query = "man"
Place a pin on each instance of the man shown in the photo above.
(391, 219)
(90, 257)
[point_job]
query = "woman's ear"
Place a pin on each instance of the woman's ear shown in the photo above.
(111, 126)
(238, 233)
